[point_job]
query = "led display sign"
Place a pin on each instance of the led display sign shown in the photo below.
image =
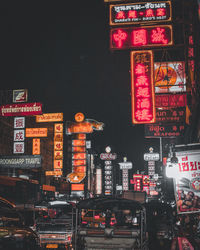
(145, 36)
(143, 96)
(135, 13)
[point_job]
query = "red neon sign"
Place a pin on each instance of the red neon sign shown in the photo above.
(134, 13)
(147, 36)
(143, 96)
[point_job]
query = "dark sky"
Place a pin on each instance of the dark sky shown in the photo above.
(60, 52)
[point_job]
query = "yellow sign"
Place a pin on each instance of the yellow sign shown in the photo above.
(50, 117)
(58, 155)
(58, 164)
(58, 137)
(56, 172)
(76, 177)
(58, 128)
(36, 132)
(36, 146)
(58, 145)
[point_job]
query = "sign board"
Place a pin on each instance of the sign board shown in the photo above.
(108, 156)
(143, 96)
(18, 147)
(24, 162)
(19, 122)
(171, 100)
(36, 146)
(19, 135)
(20, 95)
(138, 37)
(125, 165)
(136, 13)
(151, 156)
(165, 115)
(164, 130)
(53, 173)
(187, 185)
(170, 77)
(36, 132)
(21, 109)
(50, 117)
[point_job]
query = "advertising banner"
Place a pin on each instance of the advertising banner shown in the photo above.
(169, 77)
(24, 162)
(21, 109)
(165, 115)
(171, 100)
(50, 117)
(187, 184)
(36, 132)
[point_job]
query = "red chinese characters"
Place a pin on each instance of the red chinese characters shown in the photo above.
(143, 96)
(147, 36)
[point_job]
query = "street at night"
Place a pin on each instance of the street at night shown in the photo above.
(100, 125)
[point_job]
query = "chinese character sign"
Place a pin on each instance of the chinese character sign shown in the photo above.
(143, 96)
(145, 36)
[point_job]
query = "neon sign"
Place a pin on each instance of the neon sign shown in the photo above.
(143, 96)
(134, 13)
(146, 36)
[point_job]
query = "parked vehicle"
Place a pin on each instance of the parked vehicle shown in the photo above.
(14, 234)
(113, 223)
(54, 225)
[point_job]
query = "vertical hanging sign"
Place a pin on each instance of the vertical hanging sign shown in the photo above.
(143, 94)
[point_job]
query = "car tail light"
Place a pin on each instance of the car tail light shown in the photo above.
(96, 217)
(84, 222)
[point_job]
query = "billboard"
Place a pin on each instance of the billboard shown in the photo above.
(143, 36)
(142, 85)
(21, 109)
(169, 77)
(187, 184)
(135, 13)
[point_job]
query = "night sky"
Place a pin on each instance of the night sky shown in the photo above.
(59, 51)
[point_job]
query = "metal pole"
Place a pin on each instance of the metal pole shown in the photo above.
(160, 148)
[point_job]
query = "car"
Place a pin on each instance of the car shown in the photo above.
(14, 234)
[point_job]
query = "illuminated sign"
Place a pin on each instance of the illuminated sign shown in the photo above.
(58, 128)
(55, 173)
(58, 145)
(20, 95)
(164, 115)
(134, 13)
(78, 143)
(36, 132)
(171, 100)
(145, 36)
(48, 188)
(76, 177)
(21, 109)
(151, 156)
(79, 156)
(36, 146)
(58, 155)
(19, 122)
(50, 117)
(58, 164)
(164, 131)
(108, 156)
(78, 162)
(80, 169)
(77, 187)
(78, 149)
(170, 77)
(18, 147)
(23, 162)
(19, 135)
(58, 137)
(79, 117)
(143, 96)
(82, 127)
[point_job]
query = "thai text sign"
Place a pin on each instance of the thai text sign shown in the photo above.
(108, 156)
(171, 100)
(27, 161)
(170, 77)
(164, 115)
(36, 146)
(21, 109)
(50, 117)
(188, 181)
(145, 36)
(134, 13)
(36, 132)
(164, 130)
(143, 96)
